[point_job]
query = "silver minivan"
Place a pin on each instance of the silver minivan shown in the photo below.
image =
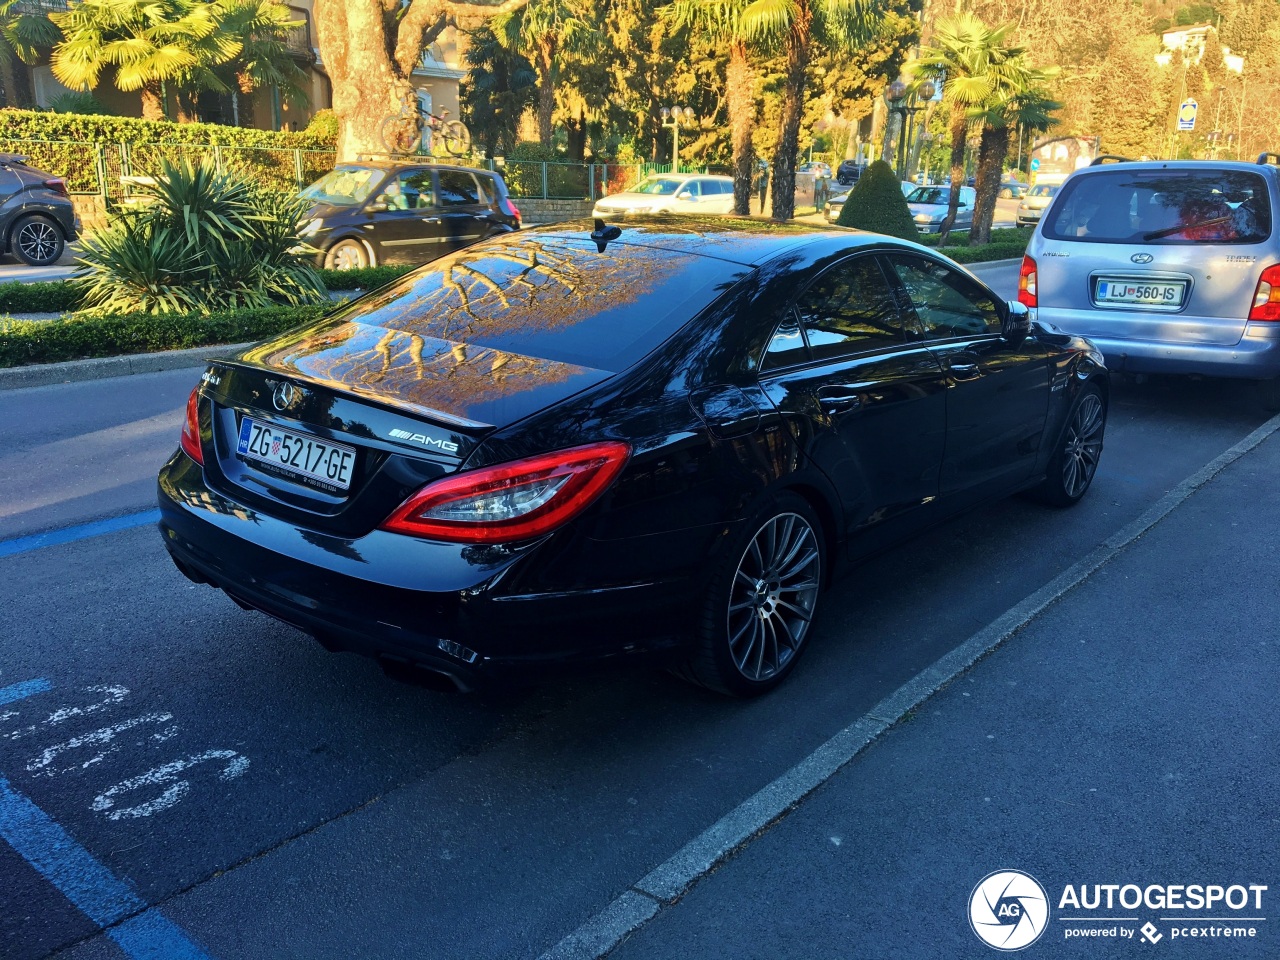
(1167, 266)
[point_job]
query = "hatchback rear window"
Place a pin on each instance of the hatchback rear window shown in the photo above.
(1162, 207)
(552, 297)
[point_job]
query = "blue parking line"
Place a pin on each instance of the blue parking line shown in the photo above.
(141, 932)
(84, 531)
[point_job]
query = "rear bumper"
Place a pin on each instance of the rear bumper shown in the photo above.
(1255, 357)
(457, 610)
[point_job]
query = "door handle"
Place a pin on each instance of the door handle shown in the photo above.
(835, 402)
(430, 219)
(965, 371)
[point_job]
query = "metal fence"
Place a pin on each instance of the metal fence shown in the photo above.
(107, 169)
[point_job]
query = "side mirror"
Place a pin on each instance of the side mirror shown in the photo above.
(1016, 326)
(378, 206)
(684, 195)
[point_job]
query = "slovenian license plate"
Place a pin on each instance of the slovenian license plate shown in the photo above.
(327, 464)
(1163, 294)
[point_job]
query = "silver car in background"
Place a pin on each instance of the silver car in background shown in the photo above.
(1032, 204)
(928, 207)
(1169, 267)
(670, 193)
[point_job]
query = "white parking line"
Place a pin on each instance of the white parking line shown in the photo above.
(671, 880)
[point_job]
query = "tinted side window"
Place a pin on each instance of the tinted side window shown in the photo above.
(850, 309)
(410, 190)
(947, 302)
(787, 346)
(457, 189)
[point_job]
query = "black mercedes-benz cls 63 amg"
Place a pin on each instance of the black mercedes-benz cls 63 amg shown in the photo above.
(581, 442)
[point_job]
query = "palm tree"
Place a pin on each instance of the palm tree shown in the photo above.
(541, 30)
(722, 20)
(796, 25)
(973, 64)
(498, 88)
(1022, 102)
(22, 38)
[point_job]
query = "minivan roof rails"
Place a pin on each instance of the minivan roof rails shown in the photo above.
(1109, 158)
(1269, 159)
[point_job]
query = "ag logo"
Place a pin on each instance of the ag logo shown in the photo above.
(1008, 910)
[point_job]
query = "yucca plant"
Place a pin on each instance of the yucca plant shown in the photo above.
(203, 241)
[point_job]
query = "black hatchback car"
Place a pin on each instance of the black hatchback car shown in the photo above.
(37, 220)
(569, 444)
(372, 214)
(848, 173)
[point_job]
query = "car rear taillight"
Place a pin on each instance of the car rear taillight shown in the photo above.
(1266, 299)
(1027, 282)
(512, 501)
(191, 429)
(509, 208)
(57, 185)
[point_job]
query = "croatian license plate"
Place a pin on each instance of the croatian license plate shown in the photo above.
(1162, 294)
(326, 464)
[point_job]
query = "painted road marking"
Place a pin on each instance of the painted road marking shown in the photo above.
(83, 531)
(140, 931)
(669, 881)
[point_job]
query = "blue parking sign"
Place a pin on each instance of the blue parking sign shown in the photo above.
(1187, 115)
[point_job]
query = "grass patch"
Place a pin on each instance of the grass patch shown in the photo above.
(50, 341)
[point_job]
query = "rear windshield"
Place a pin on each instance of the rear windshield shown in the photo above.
(1163, 207)
(551, 297)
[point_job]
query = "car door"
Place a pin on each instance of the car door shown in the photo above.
(863, 394)
(997, 395)
(401, 211)
(461, 209)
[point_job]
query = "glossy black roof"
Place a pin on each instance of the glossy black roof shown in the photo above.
(750, 242)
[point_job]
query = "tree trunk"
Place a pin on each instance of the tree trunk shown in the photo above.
(892, 130)
(152, 102)
(784, 160)
(576, 150)
(742, 120)
(959, 133)
(545, 56)
(993, 147)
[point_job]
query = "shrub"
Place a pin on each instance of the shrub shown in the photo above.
(366, 278)
(206, 241)
(51, 341)
(876, 203)
(53, 296)
(79, 102)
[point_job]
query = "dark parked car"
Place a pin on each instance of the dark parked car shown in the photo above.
(371, 214)
(37, 220)
(562, 446)
(848, 172)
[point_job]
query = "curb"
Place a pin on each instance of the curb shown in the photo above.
(102, 368)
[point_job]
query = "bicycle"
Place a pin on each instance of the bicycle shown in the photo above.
(415, 131)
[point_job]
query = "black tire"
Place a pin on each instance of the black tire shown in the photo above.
(760, 602)
(347, 255)
(457, 138)
(1075, 461)
(37, 241)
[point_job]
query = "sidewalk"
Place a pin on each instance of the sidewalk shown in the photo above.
(1127, 735)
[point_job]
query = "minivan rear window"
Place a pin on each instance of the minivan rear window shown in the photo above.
(1162, 207)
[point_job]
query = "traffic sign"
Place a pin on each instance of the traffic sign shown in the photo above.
(1035, 164)
(1187, 115)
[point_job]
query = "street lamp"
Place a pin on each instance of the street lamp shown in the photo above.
(1213, 136)
(672, 117)
(902, 101)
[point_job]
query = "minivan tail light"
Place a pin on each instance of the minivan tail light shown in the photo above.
(191, 429)
(1027, 282)
(1266, 298)
(57, 185)
(512, 501)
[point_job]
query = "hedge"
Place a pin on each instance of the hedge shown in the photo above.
(986, 252)
(59, 296)
(51, 341)
(37, 125)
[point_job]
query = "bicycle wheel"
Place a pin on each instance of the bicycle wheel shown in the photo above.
(401, 134)
(457, 138)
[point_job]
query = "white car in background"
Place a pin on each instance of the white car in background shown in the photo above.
(671, 193)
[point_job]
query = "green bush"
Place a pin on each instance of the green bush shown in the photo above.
(81, 128)
(51, 341)
(986, 252)
(53, 296)
(366, 278)
(877, 204)
(77, 101)
(206, 241)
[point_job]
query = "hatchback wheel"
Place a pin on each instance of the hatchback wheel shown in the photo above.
(37, 241)
(346, 255)
(1074, 463)
(761, 602)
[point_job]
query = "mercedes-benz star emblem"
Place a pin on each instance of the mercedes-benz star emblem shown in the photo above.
(284, 395)
(1141, 258)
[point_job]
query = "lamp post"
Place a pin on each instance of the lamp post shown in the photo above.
(1213, 136)
(672, 117)
(902, 102)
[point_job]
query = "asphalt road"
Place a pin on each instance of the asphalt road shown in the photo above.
(264, 799)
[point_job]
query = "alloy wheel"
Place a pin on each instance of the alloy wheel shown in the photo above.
(772, 598)
(38, 240)
(1082, 446)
